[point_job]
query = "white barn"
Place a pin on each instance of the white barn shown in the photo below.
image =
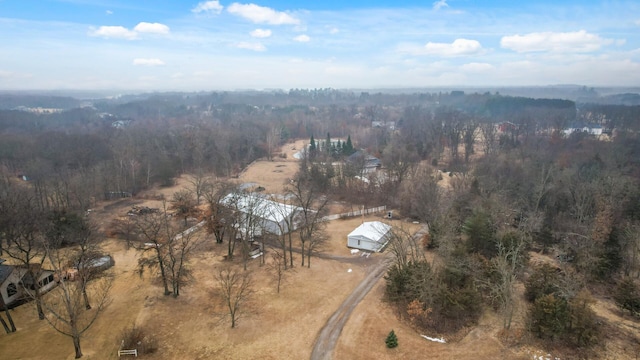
(261, 214)
(370, 236)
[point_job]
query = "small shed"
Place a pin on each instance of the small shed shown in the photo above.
(370, 236)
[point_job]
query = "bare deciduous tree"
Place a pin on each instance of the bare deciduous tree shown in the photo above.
(22, 228)
(184, 205)
(405, 247)
(469, 138)
(313, 208)
(505, 265)
(219, 215)
(171, 247)
(178, 253)
(200, 184)
(489, 138)
(154, 235)
(235, 290)
(278, 267)
(399, 159)
(65, 307)
(273, 139)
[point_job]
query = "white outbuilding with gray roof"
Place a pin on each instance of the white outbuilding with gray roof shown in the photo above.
(370, 236)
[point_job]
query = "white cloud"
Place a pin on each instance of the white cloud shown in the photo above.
(577, 41)
(302, 38)
(151, 28)
(208, 7)
(476, 67)
(440, 4)
(334, 30)
(638, 22)
(148, 62)
(251, 46)
(262, 15)
(116, 32)
(109, 12)
(261, 33)
(121, 32)
(458, 47)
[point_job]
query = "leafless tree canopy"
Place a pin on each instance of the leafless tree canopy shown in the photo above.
(235, 290)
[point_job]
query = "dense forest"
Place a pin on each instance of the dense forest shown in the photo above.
(517, 183)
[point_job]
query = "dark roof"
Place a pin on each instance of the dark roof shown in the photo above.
(5, 271)
(369, 160)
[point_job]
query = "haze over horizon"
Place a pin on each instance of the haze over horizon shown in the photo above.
(219, 45)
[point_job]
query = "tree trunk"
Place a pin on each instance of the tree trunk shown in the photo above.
(39, 305)
(162, 270)
(245, 253)
(76, 345)
(290, 251)
(13, 325)
(4, 325)
(86, 298)
(232, 244)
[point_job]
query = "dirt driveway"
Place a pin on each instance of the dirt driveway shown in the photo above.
(328, 336)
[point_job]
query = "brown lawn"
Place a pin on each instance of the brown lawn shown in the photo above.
(277, 326)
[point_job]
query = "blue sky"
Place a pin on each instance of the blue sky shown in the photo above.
(225, 45)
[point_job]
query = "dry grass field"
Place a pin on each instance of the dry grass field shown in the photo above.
(277, 325)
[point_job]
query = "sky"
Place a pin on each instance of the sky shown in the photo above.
(171, 45)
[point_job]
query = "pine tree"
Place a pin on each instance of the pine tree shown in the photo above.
(392, 340)
(312, 147)
(328, 146)
(349, 146)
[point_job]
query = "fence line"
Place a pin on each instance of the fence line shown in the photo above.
(190, 230)
(355, 213)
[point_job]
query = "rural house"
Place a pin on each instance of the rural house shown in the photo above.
(591, 129)
(14, 280)
(370, 236)
(364, 162)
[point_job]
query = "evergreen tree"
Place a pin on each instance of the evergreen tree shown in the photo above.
(349, 146)
(392, 340)
(627, 296)
(481, 234)
(328, 144)
(312, 146)
(549, 316)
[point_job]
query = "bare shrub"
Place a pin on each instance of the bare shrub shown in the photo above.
(139, 339)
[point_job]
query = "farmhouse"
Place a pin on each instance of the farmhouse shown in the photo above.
(261, 214)
(364, 162)
(591, 129)
(370, 236)
(14, 280)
